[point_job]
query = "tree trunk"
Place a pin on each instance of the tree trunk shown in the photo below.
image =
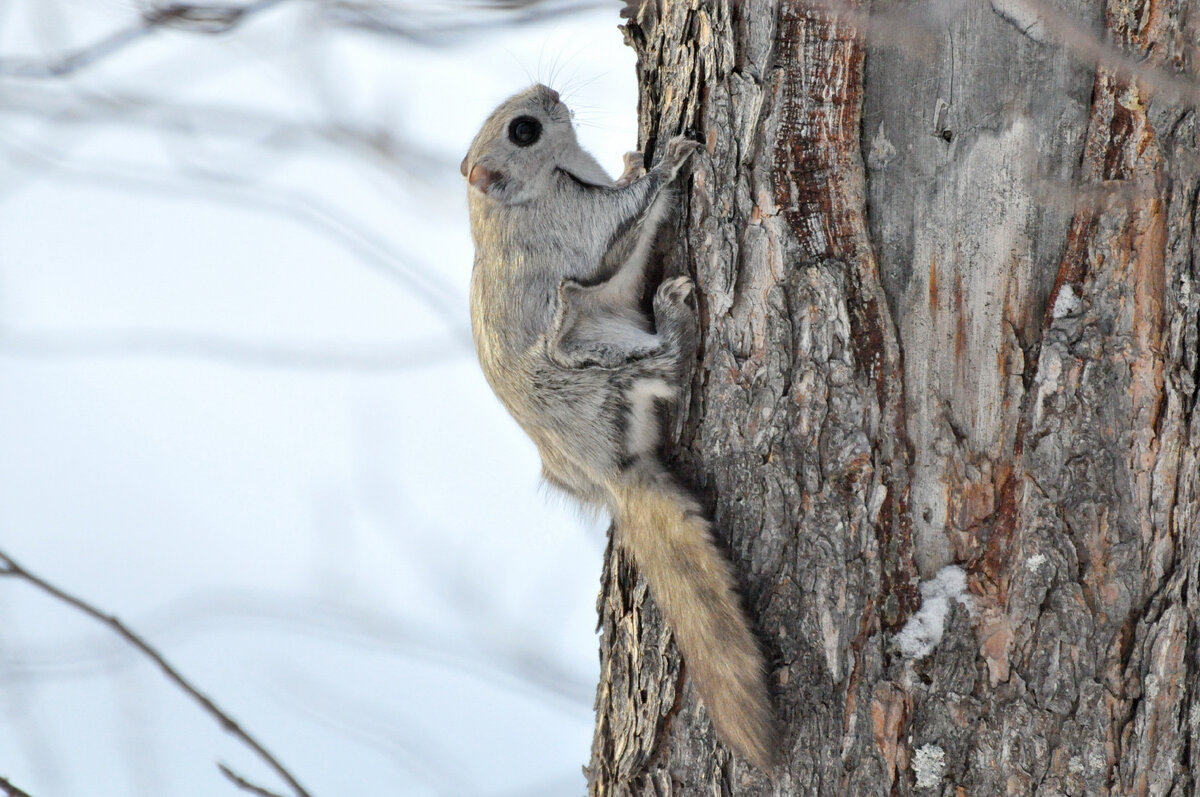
(947, 263)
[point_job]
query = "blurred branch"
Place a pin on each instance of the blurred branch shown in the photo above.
(502, 662)
(202, 17)
(310, 214)
(11, 790)
(441, 24)
(9, 567)
(63, 65)
(428, 24)
(434, 30)
(376, 144)
(192, 17)
(913, 28)
(165, 343)
(416, 752)
(1046, 24)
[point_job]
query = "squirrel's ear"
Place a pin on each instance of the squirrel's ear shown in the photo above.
(482, 178)
(462, 167)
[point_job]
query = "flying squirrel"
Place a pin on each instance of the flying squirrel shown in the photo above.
(560, 258)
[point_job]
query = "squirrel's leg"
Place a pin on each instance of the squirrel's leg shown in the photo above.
(625, 286)
(636, 208)
(635, 167)
(676, 325)
(661, 376)
(563, 327)
(583, 334)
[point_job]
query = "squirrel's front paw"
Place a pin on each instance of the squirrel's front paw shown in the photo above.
(675, 298)
(635, 167)
(679, 149)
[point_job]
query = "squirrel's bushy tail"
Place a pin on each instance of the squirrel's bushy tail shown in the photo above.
(670, 540)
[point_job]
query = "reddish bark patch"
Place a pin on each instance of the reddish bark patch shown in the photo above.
(933, 286)
(889, 718)
(993, 568)
(819, 184)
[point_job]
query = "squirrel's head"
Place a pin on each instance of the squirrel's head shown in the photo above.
(520, 146)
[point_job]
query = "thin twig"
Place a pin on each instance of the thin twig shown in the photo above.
(244, 784)
(11, 568)
(11, 790)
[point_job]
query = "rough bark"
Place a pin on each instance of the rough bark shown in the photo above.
(947, 265)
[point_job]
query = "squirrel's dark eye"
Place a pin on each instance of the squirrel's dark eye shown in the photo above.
(524, 131)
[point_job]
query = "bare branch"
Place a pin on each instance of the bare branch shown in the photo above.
(244, 784)
(12, 791)
(9, 567)
(63, 65)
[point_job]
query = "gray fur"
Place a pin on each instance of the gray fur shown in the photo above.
(560, 258)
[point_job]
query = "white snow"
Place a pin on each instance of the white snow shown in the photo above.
(923, 631)
(1066, 302)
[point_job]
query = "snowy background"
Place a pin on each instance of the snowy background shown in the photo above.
(240, 410)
